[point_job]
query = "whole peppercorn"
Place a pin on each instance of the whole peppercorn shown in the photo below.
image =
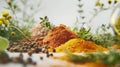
(51, 54)
(15, 60)
(54, 50)
(47, 55)
(30, 53)
(41, 58)
(29, 60)
(21, 55)
(34, 63)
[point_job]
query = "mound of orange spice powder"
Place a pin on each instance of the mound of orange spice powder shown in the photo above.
(80, 45)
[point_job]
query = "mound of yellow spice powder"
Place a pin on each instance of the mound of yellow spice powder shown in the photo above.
(80, 45)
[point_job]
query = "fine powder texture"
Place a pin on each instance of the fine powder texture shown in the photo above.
(58, 35)
(80, 45)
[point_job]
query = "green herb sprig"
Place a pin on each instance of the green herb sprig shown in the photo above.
(45, 23)
(111, 58)
(102, 36)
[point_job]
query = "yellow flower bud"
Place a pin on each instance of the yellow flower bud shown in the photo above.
(9, 2)
(13, 33)
(5, 13)
(9, 17)
(117, 21)
(1, 22)
(6, 22)
(97, 3)
(109, 1)
(2, 19)
(115, 1)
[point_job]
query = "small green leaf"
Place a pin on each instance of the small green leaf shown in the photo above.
(3, 43)
(41, 18)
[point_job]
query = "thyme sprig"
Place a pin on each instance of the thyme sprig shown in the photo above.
(45, 23)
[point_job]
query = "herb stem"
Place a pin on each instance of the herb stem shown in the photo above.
(20, 32)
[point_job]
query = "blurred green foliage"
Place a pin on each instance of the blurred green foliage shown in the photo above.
(22, 19)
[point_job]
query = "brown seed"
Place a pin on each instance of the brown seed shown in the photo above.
(51, 54)
(20, 60)
(15, 60)
(30, 53)
(46, 52)
(54, 50)
(47, 55)
(41, 58)
(21, 55)
(16, 50)
(43, 51)
(34, 63)
(29, 60)
(37, 50)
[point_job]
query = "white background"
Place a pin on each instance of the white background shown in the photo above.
(65, 11)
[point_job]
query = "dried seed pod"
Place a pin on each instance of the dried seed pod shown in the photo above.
(115, 1)
(109, 1)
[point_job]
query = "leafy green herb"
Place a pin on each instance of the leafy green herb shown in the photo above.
(3, 43)
(45, 23)
(23, 22)
(111, 58)
(76, 58)
(83, 32)
(102, 36)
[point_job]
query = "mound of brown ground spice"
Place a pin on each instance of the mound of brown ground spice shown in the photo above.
(59, 35)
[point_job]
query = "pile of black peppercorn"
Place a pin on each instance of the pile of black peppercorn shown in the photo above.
(30, 47)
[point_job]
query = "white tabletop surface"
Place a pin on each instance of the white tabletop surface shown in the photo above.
(46, 62)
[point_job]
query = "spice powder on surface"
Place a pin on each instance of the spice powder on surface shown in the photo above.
(80, 45)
